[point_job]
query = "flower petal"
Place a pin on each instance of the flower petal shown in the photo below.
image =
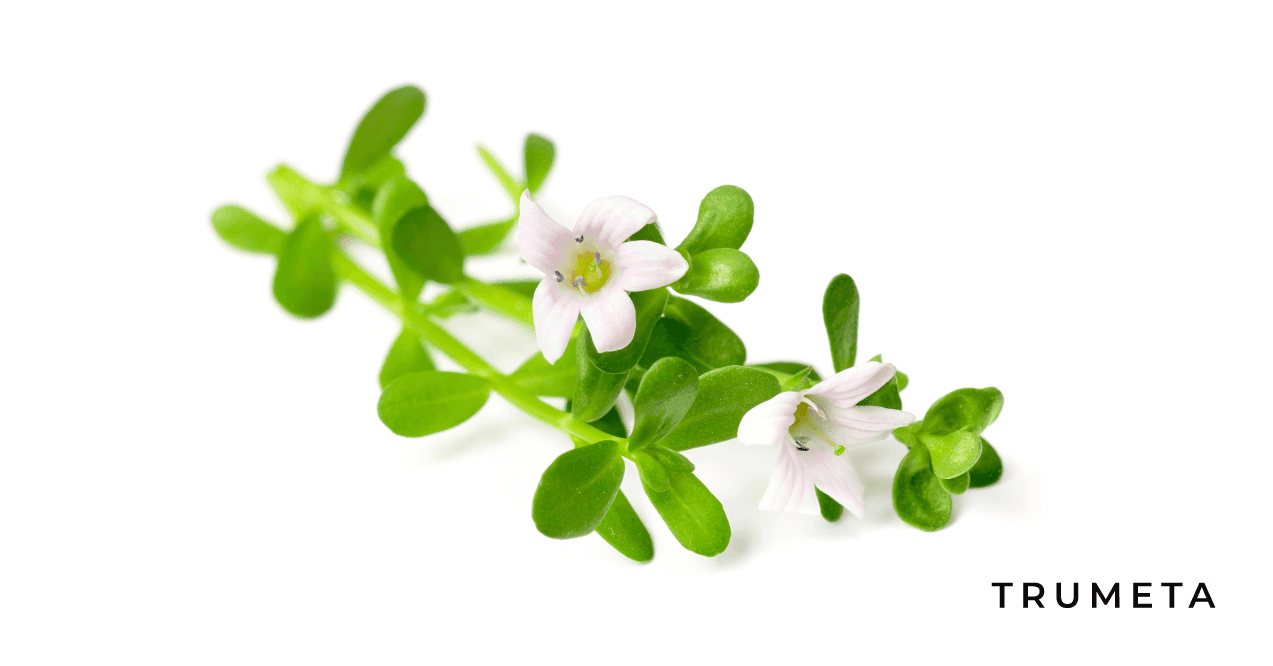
(790, 486)
(835, 476)
(849, 386)
(642, 265)
(555, 311)
(767, 423)
(609, 221)
(611, 318)
(540, 240)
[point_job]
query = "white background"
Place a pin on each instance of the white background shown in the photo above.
(1068, 201)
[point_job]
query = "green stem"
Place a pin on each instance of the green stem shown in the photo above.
(300, 194)
(446, 343)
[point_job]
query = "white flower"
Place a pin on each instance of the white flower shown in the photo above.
(590, 269)
(812, 427)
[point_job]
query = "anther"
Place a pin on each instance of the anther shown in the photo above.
(818, 412)
(800, 443)
(596, 257)
(560, 277)
(578, 240)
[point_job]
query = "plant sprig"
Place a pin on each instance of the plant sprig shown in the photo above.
(685, 371)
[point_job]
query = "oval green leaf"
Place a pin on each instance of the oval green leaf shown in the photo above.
(486, 238)
(384, 125)
(831, 509)
(724, 220)
(549, 379)
(724, 396)
(968, 409)
(649, 306)
(623, 529)
(577, 489)
(693, 515)
(724, 275)
(427, 245)
(840, 314)
(595, 391)
(956, 485)
(407, 355)
(666, 394)
(423, 403)
(918, 496)
(537, 156)
(703, 336)
(392, 201)
(304, 281)
(988, 469)
(953, 453)
(653, 476)
(244, 230)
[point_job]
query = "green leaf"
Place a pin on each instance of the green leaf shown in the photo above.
(304, 282)
(595, 391)
(362, 187)
(666, 394)
(407, 355)
(428, 246)
(724, 396)
(831, 509)
(384, 125)
(673, 461)
(577, 490)
(649, 232)
(511, 187)
(423, 403)
(956, 485)
(840, 313)
(902, 381)
(797, 381)
(968, 409)
(486, 238)
(611, 424)
(723, 274)
(952, 427)
(450, 303)
(549, 379)
(245, 231)
(703, 336)
(988, 469)
(918, 496)
(537, 156)
(953, 453)
(393, 200)
(694, 516)
(724, 220)
(653, 476)
(649, 306)
(885, 396)
(623, 529)
(789, 368)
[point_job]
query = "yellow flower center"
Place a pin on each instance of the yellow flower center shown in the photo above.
(590, 272)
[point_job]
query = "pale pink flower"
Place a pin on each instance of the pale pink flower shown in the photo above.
(812, 427)
(590, 269)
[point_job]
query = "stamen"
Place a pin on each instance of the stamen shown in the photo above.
(818, 412)
(560, 277)
(800, 443)
(579, 283)
(577, 240)
(596, 257)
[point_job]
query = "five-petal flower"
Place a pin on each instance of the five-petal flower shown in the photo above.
(812, 427)
(590, 269)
